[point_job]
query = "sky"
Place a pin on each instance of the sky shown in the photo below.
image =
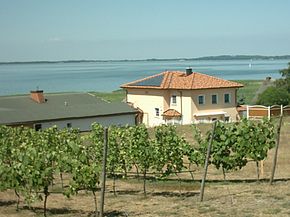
(34, 30)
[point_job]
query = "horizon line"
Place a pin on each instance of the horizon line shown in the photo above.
(213, 57)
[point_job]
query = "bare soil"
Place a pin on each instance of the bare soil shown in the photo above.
(240, 195)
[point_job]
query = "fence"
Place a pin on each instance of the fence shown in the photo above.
(259, 111)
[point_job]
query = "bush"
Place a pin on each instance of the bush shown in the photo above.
(274, 96)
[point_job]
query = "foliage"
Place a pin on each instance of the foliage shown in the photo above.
(234, 144)
(228, 153)
(114, 157)
(260, 135)
(141, 150)
(274, 96)
(169, 150)
(285, 81)
(280, 94)
(30, 160)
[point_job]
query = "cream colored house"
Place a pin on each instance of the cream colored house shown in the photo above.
(183, 98)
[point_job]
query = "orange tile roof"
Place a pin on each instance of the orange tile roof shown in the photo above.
(179, 80)
(171, 113)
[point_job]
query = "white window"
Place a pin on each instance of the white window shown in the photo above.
(201, 99)
(214, 99)
(157, 112)
(173, 100)
(227, 98)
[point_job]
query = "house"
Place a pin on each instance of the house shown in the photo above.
(183, 98)
(66, 110)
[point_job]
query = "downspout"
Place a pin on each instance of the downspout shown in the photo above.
(126, 97)
(181, 107)
(236, 95)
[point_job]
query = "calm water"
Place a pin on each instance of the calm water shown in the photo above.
(108, 76)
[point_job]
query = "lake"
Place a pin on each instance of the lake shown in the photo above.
(108, 76)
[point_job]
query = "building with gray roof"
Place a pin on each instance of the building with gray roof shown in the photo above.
(71, 110)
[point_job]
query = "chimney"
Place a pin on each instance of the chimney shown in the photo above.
(188, 71)
(37, 96)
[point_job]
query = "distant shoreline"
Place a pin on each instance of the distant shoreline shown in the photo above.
(221, 57)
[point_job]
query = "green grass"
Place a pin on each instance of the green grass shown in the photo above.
(206, 209)
(272, 211)
(115, 96)
(286, 205)
(249, 90)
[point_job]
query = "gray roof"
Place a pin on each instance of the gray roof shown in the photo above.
(22, 109)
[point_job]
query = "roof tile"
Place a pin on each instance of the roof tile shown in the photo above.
(171, 113)
(179, 80)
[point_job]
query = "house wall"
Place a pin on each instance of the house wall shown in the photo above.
(183, 104)
(186, 103)
(187, 109)
(208, 107)
(147, 100)
(84, 124)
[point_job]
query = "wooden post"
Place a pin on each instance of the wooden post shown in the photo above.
(269, 112)
(248, 112)
(103, 186)
(276, 151)
(206, 162)
(281, 112)
(262, 168)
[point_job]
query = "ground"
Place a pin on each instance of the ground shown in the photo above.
(241, 195)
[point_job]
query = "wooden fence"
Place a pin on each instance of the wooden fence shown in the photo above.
(259, 111)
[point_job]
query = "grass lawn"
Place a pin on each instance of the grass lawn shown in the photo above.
(115, 96)
(249, 90)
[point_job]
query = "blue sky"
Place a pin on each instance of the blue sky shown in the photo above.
(136, 29)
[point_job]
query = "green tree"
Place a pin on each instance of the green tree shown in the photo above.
(278, 94)
(284, 82)
(274, 96)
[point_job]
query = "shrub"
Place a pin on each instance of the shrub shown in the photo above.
(274, 96)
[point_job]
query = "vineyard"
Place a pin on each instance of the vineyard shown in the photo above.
(58, 172)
